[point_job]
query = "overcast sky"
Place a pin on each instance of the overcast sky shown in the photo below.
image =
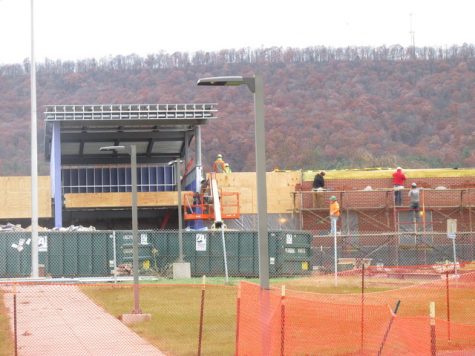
(74, 29)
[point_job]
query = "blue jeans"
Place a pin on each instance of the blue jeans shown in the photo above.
(333, 221)
(397, 195)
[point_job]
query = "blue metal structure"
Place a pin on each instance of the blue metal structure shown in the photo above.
(161, 133)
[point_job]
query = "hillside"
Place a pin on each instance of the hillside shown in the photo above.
(325, 108)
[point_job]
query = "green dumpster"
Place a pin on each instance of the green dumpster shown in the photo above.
(294, 252)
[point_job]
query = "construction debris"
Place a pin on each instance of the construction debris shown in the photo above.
(18, 228)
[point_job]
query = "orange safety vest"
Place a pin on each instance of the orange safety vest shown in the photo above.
(334, 209)
(218, 166)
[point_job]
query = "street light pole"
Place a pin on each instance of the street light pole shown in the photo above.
(132, 150)
(135, 235)
(260, 140)
(256, 86)
(34, 156)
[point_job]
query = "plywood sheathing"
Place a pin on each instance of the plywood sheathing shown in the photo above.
(280, 188)
(118, 200)
(15, 197)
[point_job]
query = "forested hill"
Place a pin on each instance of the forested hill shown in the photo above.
(325, 108)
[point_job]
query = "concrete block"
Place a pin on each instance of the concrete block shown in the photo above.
(181, 270)
(128, 319)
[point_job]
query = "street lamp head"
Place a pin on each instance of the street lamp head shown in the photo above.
(112, 148)
(175, 161)
(228, 81)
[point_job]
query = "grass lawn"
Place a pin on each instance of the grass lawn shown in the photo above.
(175, 310)
(6, 337)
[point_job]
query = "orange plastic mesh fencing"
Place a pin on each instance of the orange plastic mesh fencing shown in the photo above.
(299, 323)
(62, 319)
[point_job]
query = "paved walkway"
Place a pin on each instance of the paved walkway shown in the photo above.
(61, 320)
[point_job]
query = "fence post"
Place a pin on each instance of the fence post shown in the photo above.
(200, 336)
(114, 249)
(447, 294)
(238, 315)
(15, 329)
(282, 321)
(362, 305)
(433, 348)
(388, 329)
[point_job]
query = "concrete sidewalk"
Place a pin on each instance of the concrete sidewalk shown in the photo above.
(61, 320)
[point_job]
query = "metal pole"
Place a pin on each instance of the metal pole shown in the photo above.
(34, 156)
(225, 255)
(260, 145)
(198, 164)
(180, 223)
(335, 257)
(455, 256)
(362, 304)
(15, 329)
(447, 297)
(114, 248)
(135, 235)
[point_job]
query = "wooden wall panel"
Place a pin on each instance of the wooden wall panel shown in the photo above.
(118, 200)
(280, 186)
(15, 197)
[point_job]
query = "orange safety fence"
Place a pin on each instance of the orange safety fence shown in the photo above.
(271, 322)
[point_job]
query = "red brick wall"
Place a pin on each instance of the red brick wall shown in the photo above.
(375, 208)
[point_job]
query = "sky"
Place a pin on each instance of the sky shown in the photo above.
(77, 29)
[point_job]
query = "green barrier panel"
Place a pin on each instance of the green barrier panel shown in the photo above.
(204, 251)
(15, 253)
(82, 254)
(294, 253)
(124, 248)
(15, 261)
(79, 254)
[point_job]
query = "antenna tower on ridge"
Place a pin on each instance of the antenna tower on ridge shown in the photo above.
(413, 38)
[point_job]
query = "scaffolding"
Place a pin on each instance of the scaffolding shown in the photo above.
(375, 211)
(372, 226)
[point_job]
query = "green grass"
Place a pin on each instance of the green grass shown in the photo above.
(175, 313)
(175, 308)
(6, 337)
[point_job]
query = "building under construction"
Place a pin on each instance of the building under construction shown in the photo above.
(90, 186)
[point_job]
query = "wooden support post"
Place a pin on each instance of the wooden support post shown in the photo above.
(282, 321)
(433, 347)
(200, 336)
(238, 315)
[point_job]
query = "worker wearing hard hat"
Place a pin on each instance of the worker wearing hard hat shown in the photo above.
(414, 197)
(218, 165)
(334, 213)
(227, 168)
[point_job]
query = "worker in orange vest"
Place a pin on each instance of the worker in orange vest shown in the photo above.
(218, 165)
(334, 213)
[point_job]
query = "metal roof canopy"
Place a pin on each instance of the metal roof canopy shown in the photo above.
(159, 131)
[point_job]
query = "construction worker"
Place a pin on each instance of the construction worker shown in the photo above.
(318, 186)
(227, 168)
(218, 165)
(334, 213)
(319, 181)
(414, 196)
(398, 180)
